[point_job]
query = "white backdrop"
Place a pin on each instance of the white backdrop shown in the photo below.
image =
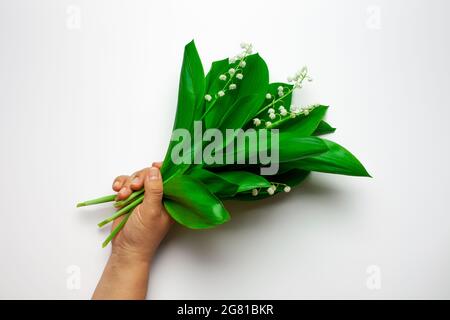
(88, 92)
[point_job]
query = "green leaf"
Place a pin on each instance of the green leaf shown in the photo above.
(304, 126)
(336, 160)
(324, 128)
(236, 107)
(290, 148)
(245, 180)
(190, 98)
(292, 178)
(191, 204)
(214, 182)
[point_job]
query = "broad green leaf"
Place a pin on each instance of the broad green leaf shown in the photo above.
(323, 128)
(290, 148)
(215, 183)
(235, 108)
(191, 204)
(336, 160)
(304, 126)
(292, 178)
(190, 98)
(245, 180)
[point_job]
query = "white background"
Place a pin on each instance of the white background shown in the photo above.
(88, 91)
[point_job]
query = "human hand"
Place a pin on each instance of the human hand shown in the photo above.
(149, 222)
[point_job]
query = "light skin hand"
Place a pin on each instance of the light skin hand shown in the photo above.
(126, 273)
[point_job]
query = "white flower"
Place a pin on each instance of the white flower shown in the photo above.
(272, 116)
(247, 46)
(268, 96)
(232, 60)
(271, 190)
(271, 110)
(287, 189)
(242, 64)
(268, 124)
(244, 45)
(231, 71)
(239, 76)
(221, 93)
(305, 112)
(281, 108)
(222, 77)
(254, 192)
(232, 86)
(280, 88)
(294, 109)
(283, 112)
(280, 93)
(293, 115)
(208, 97)
(256, 122)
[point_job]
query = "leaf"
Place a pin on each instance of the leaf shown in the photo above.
(245, 180)
(190, 99)
(236, 107)
(323, 128)
(214, 182)
(290, 148)
(336, 160)
(191, 204)
(303, 126)
(292, 178)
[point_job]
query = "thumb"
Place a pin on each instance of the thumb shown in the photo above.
(153, 192)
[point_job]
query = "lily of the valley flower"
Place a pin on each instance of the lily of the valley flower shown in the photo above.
(256, 122)
(208, 97)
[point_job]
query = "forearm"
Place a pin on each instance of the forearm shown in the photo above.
(124, 277)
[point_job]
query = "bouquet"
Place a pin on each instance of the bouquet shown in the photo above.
(237, 137)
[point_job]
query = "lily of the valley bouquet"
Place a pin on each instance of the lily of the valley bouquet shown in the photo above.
(237, 137)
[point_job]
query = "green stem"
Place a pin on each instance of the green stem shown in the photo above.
(274, 101)
(97, 201)
(237, 69)
(116, 230)
(122, 211)
(127, 201)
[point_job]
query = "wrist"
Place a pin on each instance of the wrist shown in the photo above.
(127, 257)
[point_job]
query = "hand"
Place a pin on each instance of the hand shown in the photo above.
(126, 273)
(149, 222)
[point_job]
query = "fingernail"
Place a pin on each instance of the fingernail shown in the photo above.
(116, 184)
(154, 174)
(123, 190)
(135, 180)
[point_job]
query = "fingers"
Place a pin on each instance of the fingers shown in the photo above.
(153, 193)
(125, 185)
(137, 179)
(119, 182)
(157, 164)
